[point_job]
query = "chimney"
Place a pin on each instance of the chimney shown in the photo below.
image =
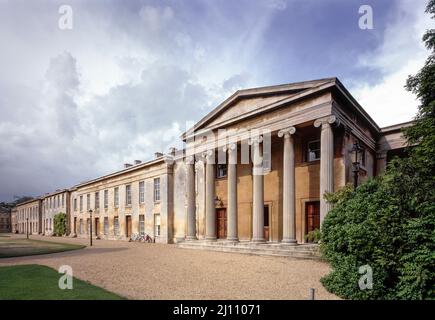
(127, 165)
(158, 155)
(136, 162)
(172, 151)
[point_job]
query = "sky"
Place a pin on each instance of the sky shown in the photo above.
(124, 80)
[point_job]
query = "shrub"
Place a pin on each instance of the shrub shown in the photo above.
(313, 236)
(59, 224)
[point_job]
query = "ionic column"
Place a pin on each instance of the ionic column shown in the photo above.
(210, 211)
(326, 161)
(288, 191)
(191, 202)
(232, 234)
(258, 191)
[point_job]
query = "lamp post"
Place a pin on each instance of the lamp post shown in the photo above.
(356, 149)
(90, 226)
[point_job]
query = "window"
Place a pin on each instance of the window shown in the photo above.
(63, 200)
(141, 192)
(81, 226)
(116, 226)
(313, 150)
(106, 226)
(81, 203)
(97, 200)
(116, 198)
(156, 189)
(106, 198)
(128, 195)
(157, 225)
(221, 170)
(88, 201)
(142, 224)
(75, 204)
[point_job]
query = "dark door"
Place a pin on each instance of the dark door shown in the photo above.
(221, 223)
(97, 226)
(128, 226)
(312, 216)
(266, 223)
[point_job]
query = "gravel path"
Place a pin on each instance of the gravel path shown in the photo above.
(157, 271)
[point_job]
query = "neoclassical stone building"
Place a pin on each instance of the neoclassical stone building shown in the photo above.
(28, 216)
(52, 204)
(254, 169)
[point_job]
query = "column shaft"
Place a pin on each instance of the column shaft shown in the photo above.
(326, 167)
(288, 192)
(191, 202)
(232, 233)
(210, 210)
(258, 194)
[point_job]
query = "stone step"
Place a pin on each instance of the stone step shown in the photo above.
(299, 251)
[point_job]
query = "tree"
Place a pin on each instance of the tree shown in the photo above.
(388, 222)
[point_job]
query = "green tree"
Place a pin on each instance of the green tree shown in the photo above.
(389, 222)
(59, 224)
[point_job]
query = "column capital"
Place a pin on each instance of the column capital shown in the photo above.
(189, 160)
(255, 140)
(286, 132)
(208, 156)
(230, 147)
(327, 121)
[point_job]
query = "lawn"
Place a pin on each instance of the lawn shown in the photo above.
(36, 282)
(13, 247)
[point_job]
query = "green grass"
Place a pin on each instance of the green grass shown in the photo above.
(13, 247)
(36, 282)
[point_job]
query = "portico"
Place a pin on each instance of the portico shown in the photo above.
(284, 232)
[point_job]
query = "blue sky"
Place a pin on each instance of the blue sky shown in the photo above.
(125, 80)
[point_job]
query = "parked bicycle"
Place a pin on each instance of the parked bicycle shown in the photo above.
(141, 238)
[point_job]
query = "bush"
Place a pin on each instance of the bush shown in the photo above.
(313, 236)
(388, 224)
(59, 224)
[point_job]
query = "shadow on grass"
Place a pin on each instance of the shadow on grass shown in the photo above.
(36, 282)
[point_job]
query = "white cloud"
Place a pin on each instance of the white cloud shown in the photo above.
(402, 53)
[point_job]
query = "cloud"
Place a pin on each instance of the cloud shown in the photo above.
(402, 53)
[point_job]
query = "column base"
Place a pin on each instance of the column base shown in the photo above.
(258, 240)
(289, 242)
(208, 238)
(191, 238)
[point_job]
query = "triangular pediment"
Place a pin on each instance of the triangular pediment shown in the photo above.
(249, 101)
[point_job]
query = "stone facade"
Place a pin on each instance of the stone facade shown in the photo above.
(232, 186)
(53, 204)
(132, 201)
(5, 220)
(29, 216)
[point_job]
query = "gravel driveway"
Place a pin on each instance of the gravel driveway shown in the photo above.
(158, 271)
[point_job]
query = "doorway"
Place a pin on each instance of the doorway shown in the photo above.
(312, 216)
(221, 223)
(97, 227)
(266, 223)
(128, 226)
(75, 225)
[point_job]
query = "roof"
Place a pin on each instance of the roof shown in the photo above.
(303, 88)
(120, 172)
